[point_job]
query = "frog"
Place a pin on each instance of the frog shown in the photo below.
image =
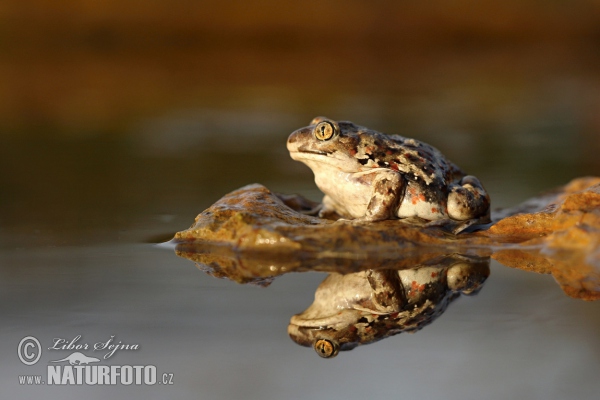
(366, 306)
(368, 176)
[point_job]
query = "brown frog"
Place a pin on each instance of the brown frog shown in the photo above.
(370, 176)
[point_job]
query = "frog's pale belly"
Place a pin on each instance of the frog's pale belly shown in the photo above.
(350, 194)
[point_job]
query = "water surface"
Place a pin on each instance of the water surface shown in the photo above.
(87, 187)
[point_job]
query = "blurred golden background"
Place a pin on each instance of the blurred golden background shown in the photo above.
(120, 121)
(114, 112)
(78, 65)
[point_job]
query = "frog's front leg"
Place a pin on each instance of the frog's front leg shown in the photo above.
(469, 200)
(387, 290)
(388, 188)
(329, 209)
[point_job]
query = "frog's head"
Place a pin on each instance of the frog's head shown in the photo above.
(327, 335)
(342, 308)
(348, 328)
(327, 143)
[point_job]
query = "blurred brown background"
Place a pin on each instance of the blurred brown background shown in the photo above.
(121, 120)
(86, 64)
(113, 111)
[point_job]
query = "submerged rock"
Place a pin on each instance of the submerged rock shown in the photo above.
(557, 233)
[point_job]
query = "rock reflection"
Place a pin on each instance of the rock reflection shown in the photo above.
(391, 277)
(367, 306)
(556, 233)
(363, 299)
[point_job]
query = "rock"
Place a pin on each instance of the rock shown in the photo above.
(557, 232)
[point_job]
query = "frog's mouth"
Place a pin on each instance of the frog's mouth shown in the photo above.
(337, 320)
(317, 152)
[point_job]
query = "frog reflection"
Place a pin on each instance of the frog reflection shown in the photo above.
(367, 306)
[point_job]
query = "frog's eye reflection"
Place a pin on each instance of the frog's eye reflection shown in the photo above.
(324, 130)
(326, 348)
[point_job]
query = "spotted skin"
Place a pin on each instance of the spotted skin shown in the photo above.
(369, 176)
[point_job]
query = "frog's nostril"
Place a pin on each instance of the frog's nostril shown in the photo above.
(292, 139)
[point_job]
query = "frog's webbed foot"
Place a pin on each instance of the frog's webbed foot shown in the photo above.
(446, 224)
(326, 213)
(322, 212)
(461, 226)
(469, 201)
(313, 212)
(457, 227)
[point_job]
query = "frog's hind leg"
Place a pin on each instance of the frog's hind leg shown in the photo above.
(469, 201)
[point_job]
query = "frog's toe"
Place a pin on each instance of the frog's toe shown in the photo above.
(356, 221)
(326, 213)
(344, 220)
(455, 227)
(315, 211)
(462, 226)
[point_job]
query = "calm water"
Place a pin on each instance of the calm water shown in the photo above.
(83, 204)
(77, 216)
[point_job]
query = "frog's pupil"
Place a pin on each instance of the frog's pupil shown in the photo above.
(324, 131)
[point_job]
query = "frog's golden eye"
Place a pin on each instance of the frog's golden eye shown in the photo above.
(326, 348)
(324, 130)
